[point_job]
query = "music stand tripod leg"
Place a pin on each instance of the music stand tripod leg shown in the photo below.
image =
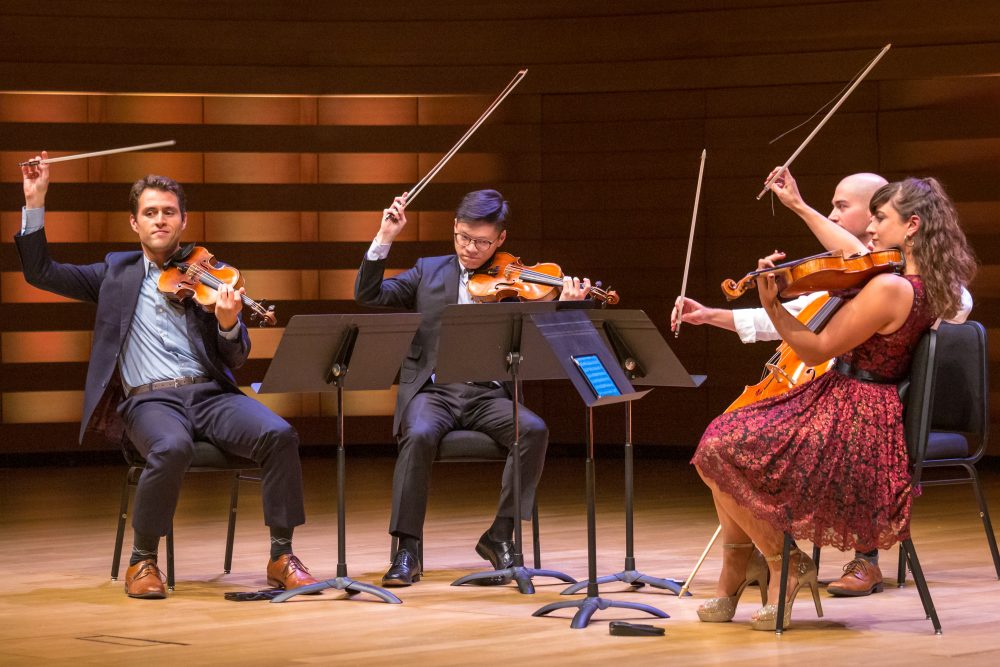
(593, 602)
(517, 572)
(341, 582)
(629, 575)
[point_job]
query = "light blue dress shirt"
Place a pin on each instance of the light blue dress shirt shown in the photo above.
(157, 346)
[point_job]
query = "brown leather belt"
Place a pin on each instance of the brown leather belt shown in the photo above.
(166, 384)
(845, 368)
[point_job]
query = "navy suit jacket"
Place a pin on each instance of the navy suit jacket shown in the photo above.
(114, 286)
(427, 288)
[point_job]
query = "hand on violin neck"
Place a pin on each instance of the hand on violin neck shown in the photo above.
(767, 284)
(393, 220)
(228, 304)
(574, 289)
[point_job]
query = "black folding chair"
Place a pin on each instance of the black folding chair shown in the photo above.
(207, 458)
(475, 447)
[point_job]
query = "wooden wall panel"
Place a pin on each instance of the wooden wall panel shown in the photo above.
(295, 130)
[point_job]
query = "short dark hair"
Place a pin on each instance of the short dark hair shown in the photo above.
(155, 182)
(484, 206)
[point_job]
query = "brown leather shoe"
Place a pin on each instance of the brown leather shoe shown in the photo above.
(288, 572)
(860, 578)
(144, 580)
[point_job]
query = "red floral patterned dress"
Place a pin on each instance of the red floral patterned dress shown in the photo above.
(827, 461)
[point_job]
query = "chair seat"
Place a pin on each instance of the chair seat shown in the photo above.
(470, 446)
(946, 445)
(207, 455)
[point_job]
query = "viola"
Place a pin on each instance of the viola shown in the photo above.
(785, 370)
(506, 277)
(193, 272)
(828, 272)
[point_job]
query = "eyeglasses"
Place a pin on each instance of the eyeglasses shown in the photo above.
(464, 240)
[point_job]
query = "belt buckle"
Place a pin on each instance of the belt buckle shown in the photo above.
(177, 383)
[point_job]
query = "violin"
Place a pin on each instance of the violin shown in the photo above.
(506, 277)
(785, 370)
(827, 272)
(193, 272)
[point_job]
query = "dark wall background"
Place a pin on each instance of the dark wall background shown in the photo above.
(598, 149)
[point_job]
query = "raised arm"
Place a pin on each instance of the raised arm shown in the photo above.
(81, 282)
(371, 288)
(831, 235)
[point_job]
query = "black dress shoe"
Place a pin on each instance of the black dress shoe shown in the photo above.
(500, 553)
(405, 570)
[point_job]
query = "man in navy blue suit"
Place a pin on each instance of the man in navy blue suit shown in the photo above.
(159, 373)
(426, 410)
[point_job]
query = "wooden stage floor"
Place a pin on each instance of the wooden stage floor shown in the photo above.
(58, 606)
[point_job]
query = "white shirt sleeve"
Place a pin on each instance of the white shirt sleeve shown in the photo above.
(753, 324)
(964, 309)
(32, 219)
(377, 251)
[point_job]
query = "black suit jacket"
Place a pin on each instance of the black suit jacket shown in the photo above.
(426, 288)
(114, 286)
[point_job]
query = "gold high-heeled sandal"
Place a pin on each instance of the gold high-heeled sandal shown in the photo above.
(722, 609)
(805, 573)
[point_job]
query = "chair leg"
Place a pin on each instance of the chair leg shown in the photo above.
(786, 553)
(918, 578)
(816, 555)
(535, 542)
(901, 569)
(234, 497)
(170, 559)
(984, 514)
(120, 535)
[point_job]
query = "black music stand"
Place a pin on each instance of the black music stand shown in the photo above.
(647, 360)
(484, 342)
(316, 353)
(598, 379)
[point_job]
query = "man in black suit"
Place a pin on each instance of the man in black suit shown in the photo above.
(425, 410)
(160, 372)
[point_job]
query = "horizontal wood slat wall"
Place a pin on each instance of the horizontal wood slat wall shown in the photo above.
(294, 130)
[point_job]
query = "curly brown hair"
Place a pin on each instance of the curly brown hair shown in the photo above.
(947, 263)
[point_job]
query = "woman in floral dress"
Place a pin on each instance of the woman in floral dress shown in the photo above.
(827, 461)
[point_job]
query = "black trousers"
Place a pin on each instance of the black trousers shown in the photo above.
(440, 408)
(163, 425)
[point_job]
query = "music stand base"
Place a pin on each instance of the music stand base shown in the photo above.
(346, 584)
(589, 605)
(634, 579)
(520, 575)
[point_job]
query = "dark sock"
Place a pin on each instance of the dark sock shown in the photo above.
(409, 542)
(144, 547)
(870, 556)
(502, 529)
(281, 542)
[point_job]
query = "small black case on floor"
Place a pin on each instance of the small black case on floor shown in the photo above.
(251, 596)
(623, 629)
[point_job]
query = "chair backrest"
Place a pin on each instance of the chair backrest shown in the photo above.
(962, 393)
(949, 387)
(919, 401)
